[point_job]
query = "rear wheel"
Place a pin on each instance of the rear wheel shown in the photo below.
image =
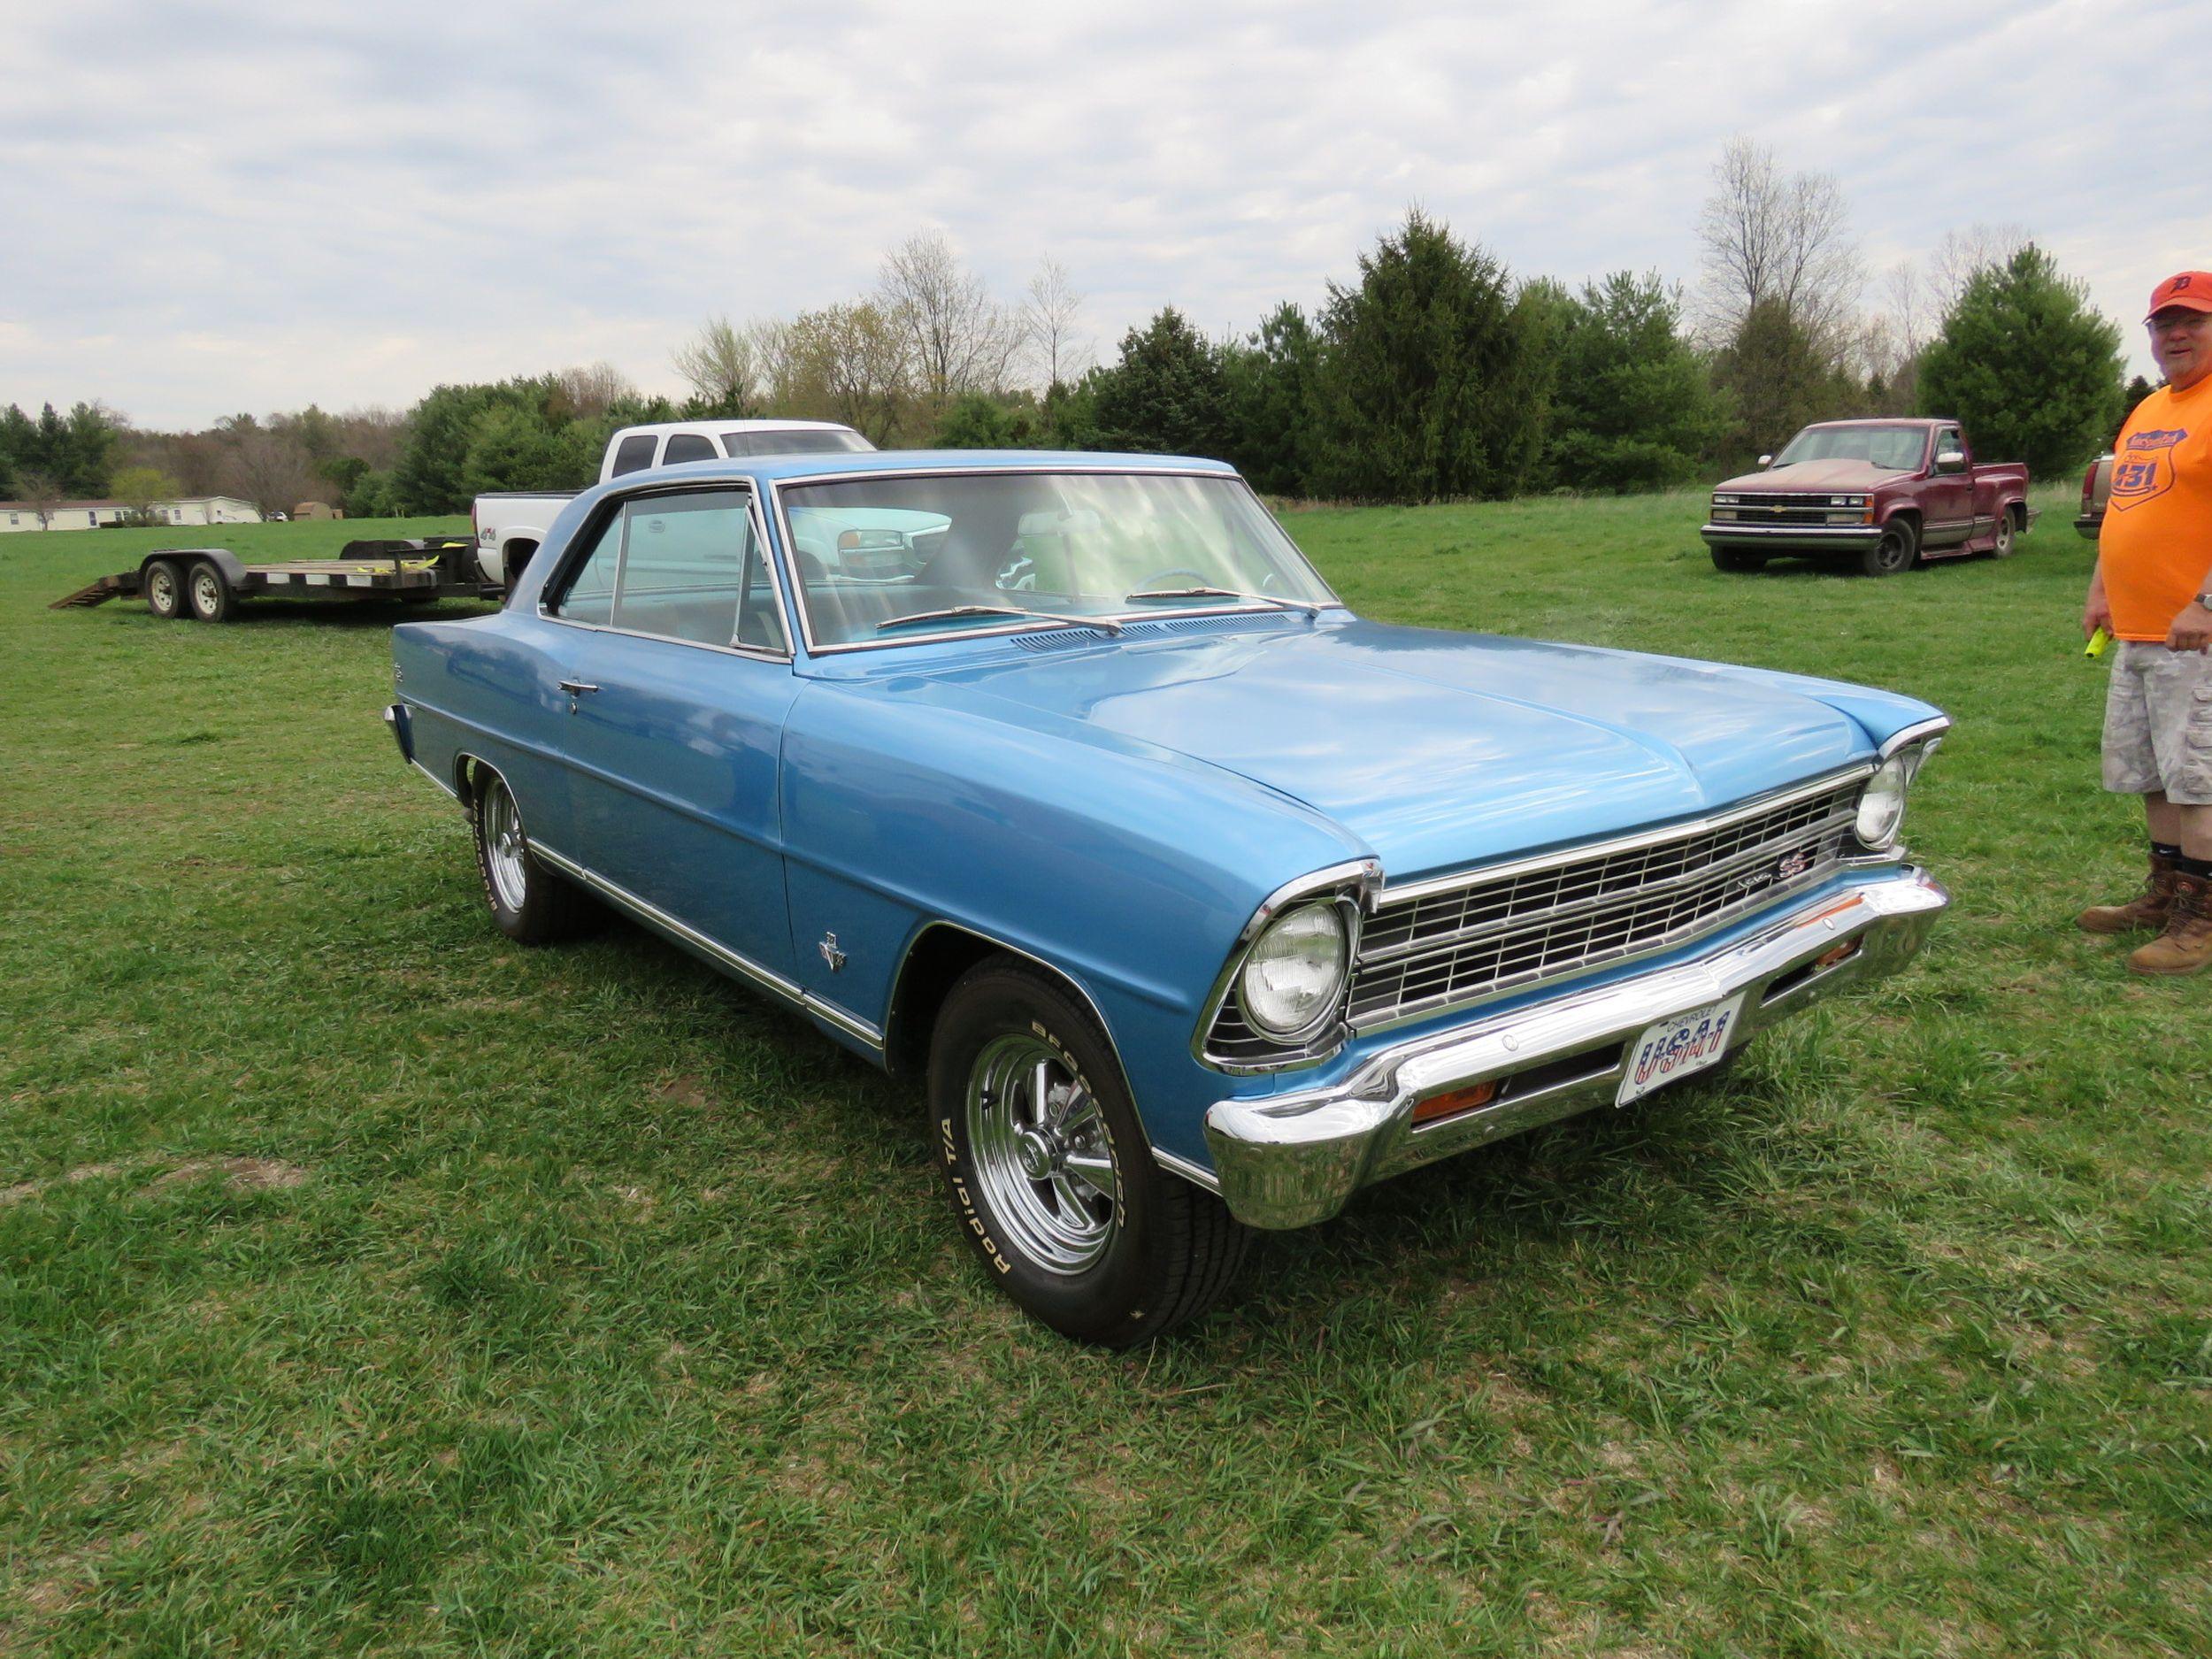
(1050, 1176)
(2003, 546)
(1736, 558)
(1896, 552)
(208, 593)
(529, 903)
(164, 589)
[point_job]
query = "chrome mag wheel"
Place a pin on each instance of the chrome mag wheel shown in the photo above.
(504, 848)
(1041, 1154)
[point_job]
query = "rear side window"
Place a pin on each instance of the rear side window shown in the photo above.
(590, 593)
(688, 446)
(635, 456)
(805, 440)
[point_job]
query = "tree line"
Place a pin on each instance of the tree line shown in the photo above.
(1436, 372)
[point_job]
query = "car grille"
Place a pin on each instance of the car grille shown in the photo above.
(1793, 510)
(1459, 943)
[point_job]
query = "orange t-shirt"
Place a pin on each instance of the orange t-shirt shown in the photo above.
(2155, 543)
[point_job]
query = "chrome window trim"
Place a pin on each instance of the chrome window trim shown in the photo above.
(1681, 830)
(1359, 879)
(620, 503)
(765, 978)
(788, 549)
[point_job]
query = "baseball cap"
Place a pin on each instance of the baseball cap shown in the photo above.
(2191, 290)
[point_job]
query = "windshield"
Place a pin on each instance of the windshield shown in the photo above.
(1893, 448)
(1059, 545)
(805, 440)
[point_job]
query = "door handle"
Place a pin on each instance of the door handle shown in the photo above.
(577, 687)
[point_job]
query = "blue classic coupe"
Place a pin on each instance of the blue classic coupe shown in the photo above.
(1064, 782)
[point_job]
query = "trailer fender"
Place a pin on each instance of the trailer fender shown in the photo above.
(232, 568)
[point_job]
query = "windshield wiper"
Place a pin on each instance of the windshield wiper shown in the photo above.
(1105, 623)
(1308, 606)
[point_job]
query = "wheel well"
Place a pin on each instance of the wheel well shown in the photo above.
(465, 769)
(933, 966)
(515, 558)
(2017, 511)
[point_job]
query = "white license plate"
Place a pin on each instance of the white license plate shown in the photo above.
(1677, 1046)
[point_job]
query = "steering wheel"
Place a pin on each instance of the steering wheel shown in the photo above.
(1199, 579)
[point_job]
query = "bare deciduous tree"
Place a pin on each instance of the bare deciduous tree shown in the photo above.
(588, 390)
(1962, 253)
(1785, 240)
(959, 338)
(1051, 315)
(265, 465)
(41, 492)
(720, 364)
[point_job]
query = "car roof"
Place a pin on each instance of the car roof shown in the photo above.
(776, 467)
(1887, 420)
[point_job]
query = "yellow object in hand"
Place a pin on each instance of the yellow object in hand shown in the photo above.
(2097, 642)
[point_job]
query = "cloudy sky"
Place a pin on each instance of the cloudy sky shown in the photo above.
(210, 207)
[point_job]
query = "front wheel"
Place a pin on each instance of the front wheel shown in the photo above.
(1895, 552)
(2003, 546)
(1051, 1177)
(1738, 559)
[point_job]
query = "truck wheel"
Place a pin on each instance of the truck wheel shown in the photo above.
(1051, 1179)
(1736, 558)
(164, 589)
(1895, 552)
(209, 595)
(2003, 547)
(529, 903)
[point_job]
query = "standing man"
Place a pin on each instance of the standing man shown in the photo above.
(2152, 592)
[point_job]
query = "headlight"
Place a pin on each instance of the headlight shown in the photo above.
(1846, 501)
(1291, 980)
(1882, 802)
(1724, 500)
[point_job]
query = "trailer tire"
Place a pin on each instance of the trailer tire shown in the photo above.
(209, 595)
(164, 589)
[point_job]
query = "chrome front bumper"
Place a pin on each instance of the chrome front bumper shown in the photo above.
(1291, 1160)
(1778, 538)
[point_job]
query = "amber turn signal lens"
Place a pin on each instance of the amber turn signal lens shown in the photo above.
(1841, 953)
(1458, 1100)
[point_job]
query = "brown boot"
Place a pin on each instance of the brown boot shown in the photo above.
(2186, 944)
(2144, 913)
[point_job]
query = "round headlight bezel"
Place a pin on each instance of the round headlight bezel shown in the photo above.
(1317, 920)
(1879, 820)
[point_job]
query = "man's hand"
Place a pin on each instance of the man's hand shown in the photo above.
(2191, 630)
(2095, 613)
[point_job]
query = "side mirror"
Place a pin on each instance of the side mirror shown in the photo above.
(1951, 461)
(1765, 461)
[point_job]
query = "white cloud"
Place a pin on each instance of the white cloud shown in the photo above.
(223, 207)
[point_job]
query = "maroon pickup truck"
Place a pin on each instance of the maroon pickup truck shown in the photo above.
(1885, 495)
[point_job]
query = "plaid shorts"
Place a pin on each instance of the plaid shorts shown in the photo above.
(2158, 724)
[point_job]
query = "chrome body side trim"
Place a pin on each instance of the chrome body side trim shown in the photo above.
(1291, 1160)
(450, 791)
(1197, 1174)
(742, 966)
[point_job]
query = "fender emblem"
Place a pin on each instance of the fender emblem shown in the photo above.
(830, 954)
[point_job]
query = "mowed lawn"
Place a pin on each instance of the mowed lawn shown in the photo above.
(369, 1285)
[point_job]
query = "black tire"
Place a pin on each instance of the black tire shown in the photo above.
(1737, 560)
(2006, 541)
(1074, 1219)
(208, 593)
(1899, 549)
(164, 589)
(530, 904)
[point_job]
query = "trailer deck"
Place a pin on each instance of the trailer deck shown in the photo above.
(208, 582)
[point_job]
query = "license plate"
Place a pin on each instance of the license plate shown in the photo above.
(1677, 1046)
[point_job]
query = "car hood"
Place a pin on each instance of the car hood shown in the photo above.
(1810, 475)
(1435, 750)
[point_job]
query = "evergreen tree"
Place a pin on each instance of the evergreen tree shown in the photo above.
(1632, 409)
(1434, 382)
(2139, 388)
(978, 421)
(1777, 376)
(2029, 368)
(1269, 382)
(1165, 395)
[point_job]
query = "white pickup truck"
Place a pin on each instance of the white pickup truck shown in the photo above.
(510, 524)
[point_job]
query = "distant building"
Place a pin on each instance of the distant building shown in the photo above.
(91, 515)
(317, 510)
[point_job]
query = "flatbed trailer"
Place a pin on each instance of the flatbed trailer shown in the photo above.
(208, 582)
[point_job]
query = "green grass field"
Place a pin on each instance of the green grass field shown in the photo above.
(368, 1285)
